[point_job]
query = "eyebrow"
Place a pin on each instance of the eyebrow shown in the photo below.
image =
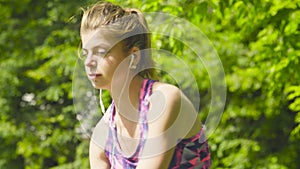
(99, 46)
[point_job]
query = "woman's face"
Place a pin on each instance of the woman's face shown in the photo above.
(102, 55)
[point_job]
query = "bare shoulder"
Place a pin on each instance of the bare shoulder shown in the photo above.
(170, 107)
(162, 86)
(170, 92)
(166, 103)
(167, 98)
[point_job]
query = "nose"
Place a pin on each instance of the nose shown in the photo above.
(91, 63)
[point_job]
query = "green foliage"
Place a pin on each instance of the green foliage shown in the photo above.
(39, 50)
(257, 41)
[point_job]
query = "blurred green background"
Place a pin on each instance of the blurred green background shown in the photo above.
(257, 41)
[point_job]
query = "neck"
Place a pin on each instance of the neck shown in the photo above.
(126, 98)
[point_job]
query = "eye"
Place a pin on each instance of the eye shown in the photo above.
(83, 54)
(100, 52)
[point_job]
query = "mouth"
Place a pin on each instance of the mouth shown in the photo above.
(93, 76)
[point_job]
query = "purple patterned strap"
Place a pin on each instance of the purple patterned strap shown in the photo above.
(112, 151)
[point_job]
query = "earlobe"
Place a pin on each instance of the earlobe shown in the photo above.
(132, 65)
(135, 51)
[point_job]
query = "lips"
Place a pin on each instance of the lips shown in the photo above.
(94, 75)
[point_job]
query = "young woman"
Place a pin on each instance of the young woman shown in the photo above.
(149, 124)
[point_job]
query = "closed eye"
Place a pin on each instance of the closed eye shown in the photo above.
(100, 52)
(83, 54)
(96, 51)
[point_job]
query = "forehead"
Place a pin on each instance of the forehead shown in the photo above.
(95, 38)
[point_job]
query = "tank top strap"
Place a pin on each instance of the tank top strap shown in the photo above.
(112, 151)
(145, 93)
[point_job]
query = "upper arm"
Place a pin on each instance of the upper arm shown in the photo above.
(98, 159)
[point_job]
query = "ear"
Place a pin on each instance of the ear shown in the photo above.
(136, 51)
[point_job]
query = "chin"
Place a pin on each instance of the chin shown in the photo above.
(98, 86)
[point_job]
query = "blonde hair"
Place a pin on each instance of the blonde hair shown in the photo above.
(128, 25)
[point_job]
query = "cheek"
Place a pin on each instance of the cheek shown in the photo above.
(118, 68)
(107, 67)
(114, 63)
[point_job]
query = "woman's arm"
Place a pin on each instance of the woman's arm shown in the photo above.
(98, 159)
